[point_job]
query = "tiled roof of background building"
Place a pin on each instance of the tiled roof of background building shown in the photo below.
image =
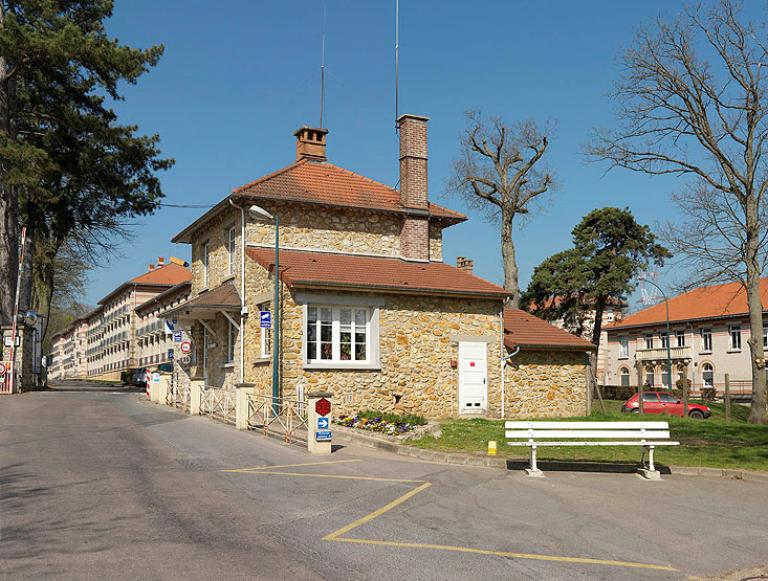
(167, 274)
(709, 302)
(350, 271)
(523, 330)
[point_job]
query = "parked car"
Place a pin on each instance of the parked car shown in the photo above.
(140, 377)
(662, 402)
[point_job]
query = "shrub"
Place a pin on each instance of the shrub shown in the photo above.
(413, 419)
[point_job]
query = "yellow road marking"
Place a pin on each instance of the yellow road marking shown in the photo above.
(335, 476)
(334, 536)
(580, 560)
(257, 468)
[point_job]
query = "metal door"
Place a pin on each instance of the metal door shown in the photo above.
(473, 377)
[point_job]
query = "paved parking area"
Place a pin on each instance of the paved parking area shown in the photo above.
(96, 482)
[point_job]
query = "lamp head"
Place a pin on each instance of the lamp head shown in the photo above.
(260, 212)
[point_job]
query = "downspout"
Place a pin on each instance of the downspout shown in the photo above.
(243, 309)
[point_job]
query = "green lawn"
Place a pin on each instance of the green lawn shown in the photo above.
(713, 442)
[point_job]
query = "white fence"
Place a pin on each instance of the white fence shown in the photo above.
(219, 404)
(285, 416)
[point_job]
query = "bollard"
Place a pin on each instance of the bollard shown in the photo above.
(242, 391)
(319, 423)
(492, 448)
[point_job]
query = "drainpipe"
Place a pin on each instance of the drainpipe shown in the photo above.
(243, 309)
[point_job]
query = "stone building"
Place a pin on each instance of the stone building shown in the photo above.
(154, 334)
(368, 309)
(709, 329)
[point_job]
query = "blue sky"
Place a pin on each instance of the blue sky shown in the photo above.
(238, 77)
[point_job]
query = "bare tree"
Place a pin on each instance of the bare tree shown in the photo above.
(500, 171)
(693, 102)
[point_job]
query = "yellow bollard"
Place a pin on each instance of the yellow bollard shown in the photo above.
(491, 448)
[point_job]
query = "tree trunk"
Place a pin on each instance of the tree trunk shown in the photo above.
(9, 201)
(759, 412)
(509, 260)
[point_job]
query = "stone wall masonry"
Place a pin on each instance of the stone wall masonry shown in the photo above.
(416, 344)
(334, 229)
(435, 242)
(546, 384)
(216, 233)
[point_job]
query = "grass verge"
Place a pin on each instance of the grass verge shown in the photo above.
(712, 443)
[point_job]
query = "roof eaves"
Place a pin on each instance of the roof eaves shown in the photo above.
(395, 289)
(184, 237)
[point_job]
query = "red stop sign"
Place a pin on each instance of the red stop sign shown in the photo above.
(323, 407)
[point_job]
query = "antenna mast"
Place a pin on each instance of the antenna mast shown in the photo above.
(397, 61)
(322, 69)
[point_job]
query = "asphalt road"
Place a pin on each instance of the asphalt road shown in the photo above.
(97, 483)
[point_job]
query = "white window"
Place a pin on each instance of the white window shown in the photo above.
(708, 375)
(649, 373)
(231, 341)
(231, 249)
(266, 334)
(649, 341)
(664, 339)
(623, 347)
(735, 337)
(706, 339)
(680, 336)
(205, 264)
(338, 335)
(765, 337)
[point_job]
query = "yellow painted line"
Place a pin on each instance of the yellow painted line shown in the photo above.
(507, 554)
(257, 468)
(334, 536)
(334, 476)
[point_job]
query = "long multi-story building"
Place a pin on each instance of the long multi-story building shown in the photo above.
(709, 329)
(110, 340)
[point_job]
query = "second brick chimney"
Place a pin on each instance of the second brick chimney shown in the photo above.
(414, 191)
(464, 263)
(310, 143)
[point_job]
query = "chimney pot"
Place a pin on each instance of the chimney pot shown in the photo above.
(310, 143)
(151, 267)
(160, 260)
(464, 263)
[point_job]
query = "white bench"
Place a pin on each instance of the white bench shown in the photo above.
(648, 435)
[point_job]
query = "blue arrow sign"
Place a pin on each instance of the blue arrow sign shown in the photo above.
(322, 423)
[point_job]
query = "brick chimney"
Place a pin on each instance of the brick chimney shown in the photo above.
(414, 191)
(464, 263)
(310, 143)
(151, 267)
(160, 261)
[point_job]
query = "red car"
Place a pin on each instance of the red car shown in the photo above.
(661, 402)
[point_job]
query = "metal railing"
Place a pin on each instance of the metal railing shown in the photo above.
(288, 416)
(219, 404)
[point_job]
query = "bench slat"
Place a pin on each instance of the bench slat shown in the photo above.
(591, 434)
(635, 443)
(523, 425)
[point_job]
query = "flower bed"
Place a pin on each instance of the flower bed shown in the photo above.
(391, 425)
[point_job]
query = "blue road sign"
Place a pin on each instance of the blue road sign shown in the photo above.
(170, 354)
(266, 319)
(323, 436)
(177, 337)
(322, 423)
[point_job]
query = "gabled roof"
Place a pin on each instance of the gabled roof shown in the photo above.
(321, 183)
(709, 302)
(523, 330)
(167, 275)
(326, 270)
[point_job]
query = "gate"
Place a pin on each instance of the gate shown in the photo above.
(279, 415)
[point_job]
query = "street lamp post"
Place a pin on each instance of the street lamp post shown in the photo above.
(257, 210)
(669, 344)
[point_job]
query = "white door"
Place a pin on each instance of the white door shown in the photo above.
(473, 377)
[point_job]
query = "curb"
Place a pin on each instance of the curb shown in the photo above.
(500, 463)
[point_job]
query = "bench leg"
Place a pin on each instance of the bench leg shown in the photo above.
(534, 469)
(648, 472)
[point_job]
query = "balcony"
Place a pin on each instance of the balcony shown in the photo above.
(660, 354)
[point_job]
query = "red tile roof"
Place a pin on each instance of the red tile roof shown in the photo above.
(709, 302)
(349, 271)
(523, 330)
(325, 183)
(168, 274)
